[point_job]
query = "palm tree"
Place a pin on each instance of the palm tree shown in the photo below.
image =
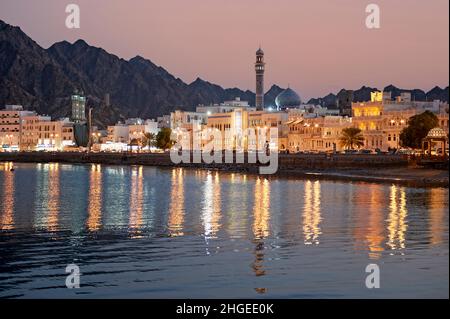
(350, 137)
(148, 140)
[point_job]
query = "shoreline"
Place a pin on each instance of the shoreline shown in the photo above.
(362, 168)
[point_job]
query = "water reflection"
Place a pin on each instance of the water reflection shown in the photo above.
(261, 215)
(7, 205)
(236, 206)
(136, 200)
(397, 218)
(47, 200)
(438, 211)
(261, 208)
(211, 211)
(311, 213)
(54, 196)
(176, 209)
(255, 224)
(375, 236)
(95, 198)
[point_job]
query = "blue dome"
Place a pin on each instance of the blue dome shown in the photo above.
(287, 98)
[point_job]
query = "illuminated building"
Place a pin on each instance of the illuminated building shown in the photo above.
(121, 134)
(239, 120)
(316, 133)
(382, 119)
(78, 107)
(10, 126)
(40, 133)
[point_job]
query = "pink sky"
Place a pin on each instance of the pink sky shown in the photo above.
(316, 46)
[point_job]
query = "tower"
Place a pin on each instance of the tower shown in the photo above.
(259, 69)
(78, 107)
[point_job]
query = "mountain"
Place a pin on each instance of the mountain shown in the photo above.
(363, 95)
(43, 80)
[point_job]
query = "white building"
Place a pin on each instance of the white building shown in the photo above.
(119, 136)
(227, 106)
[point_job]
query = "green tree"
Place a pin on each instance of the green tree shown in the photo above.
(133, 142)
(148, 140)
(163, 140)
(350, 137)
(418, 127)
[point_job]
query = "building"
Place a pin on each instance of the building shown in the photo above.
(259, 70)
(227, 106)
(28, 131)
(163, 121)
(235, 124)
(314, 133)
(185, 119)
(287, 99)
(344, 101)
(382, 119)
(138, 128)
(117, 133)
(120, 135)
(40, 133)
(10, 126)
(78, 107)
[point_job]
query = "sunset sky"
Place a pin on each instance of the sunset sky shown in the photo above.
(316, 46)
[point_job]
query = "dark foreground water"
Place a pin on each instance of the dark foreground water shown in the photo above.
(155, 233)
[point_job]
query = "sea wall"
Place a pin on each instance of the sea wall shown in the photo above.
(285, 161)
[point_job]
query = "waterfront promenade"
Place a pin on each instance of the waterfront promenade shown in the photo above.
(375, 168)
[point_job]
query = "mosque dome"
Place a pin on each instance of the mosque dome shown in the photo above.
(260, 52)
(287, 98)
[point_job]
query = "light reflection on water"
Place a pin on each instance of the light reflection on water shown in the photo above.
(137, 231)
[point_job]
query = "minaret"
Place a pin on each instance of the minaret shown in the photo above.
(259, 69)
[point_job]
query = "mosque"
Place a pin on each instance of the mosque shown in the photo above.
(286, 99)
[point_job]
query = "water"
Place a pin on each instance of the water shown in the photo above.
(145, 232)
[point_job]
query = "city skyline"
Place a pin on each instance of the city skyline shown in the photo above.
(228, 60)
(185, 152)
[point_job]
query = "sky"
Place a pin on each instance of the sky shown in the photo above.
(314, 46)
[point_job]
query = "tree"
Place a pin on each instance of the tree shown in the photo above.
(133, 142)
(148, 140)
(418, 127)
(163, 140)
(350, 137)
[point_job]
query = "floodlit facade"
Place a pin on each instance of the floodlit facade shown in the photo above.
(382, 119)
(40, 133)
(10, 127)
(185, 120)
(237, 122)
(313, 133)
(118, 136)
(28, 131)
